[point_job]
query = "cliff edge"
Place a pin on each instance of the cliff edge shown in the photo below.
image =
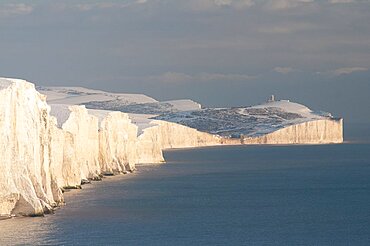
(46, 149)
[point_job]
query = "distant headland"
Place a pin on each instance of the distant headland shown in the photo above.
(58, 138)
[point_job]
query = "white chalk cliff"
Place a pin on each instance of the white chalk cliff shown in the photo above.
(48, 148)
(166, 135)
(27, 185)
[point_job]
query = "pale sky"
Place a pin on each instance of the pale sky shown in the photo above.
(216, 52)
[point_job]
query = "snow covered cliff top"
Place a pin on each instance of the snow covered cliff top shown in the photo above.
(228, 122)
(80, 95)
(124, 102)
(6, 82)
(293, 107)
(247, 121)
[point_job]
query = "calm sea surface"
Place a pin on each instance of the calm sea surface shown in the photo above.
(245, 195)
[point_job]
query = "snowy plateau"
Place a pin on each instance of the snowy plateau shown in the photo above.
(57, 138)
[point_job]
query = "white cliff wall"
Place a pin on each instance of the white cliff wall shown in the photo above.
(81, 146)
(79, 141)
(41, 154)
(25, 178)
(57, 148)
(39, 157)
(117, 142)
(166, 135)
(312, 132)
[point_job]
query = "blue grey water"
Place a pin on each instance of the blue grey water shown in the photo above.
(243, 195)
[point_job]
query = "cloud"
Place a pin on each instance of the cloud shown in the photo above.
(285, 28)
(283, 70)
(223, 2)
(173, 77)
(176, 78)
(7, 10)
(107, 5)
(206, 5)
(220, 76)
(243, 4)
(275, 5)
(346, 71)
(342, 1)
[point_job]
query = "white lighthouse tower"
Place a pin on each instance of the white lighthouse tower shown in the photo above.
(271, 99)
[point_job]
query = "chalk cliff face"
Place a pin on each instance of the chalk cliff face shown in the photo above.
(44, 150)
(95, 142)
(57, 152)
(47, 148)
(81, 143)
(322, 131)
(167, 135)
(118, 151)
(26, 184)
(255, 121)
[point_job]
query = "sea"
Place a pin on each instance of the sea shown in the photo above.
(236, 195)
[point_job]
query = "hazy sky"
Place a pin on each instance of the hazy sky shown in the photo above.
(217, 52)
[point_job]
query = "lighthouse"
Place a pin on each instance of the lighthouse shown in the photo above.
(271, 99)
